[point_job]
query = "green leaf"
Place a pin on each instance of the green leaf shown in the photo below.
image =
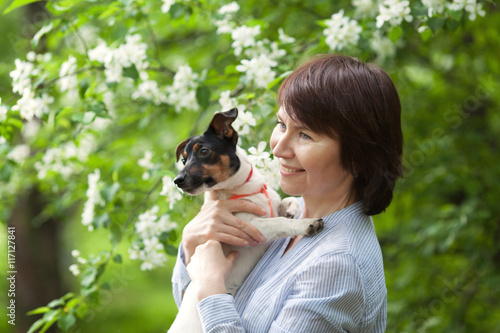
(89, 276)
(82, 310)
(55, 303)
(278, 80)
(44, 30)
(170, 250)
(118, 259)
(203, 96)
(18, 3)
(88, 117)
(131, 72)
(66, 322)
(435, 23)
(36, 325)
(395, 33)
(50, 318)
(426, 34)
(39, 310)
(109, 192)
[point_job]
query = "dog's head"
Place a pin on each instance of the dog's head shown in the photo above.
(209, 159)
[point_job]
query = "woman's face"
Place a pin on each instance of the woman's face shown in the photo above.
(309, 162)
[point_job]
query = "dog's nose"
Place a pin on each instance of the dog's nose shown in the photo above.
(179, 180)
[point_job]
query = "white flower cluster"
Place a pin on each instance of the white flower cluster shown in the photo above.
(75, 268)
(226, 25)
(93, 198)
(148, 248)
(365, 8)
(258, 70)
(146, 163)
(59, 160)
(29, 105)
(261, 55)
(393, 12)
(471, 6)
(133, 52)
(182, 93)
(341, 31)
(245, 118)
(67, 78)
(267, 165)
(19, 153)
(170, 191)
(3, 111)
(149, 90)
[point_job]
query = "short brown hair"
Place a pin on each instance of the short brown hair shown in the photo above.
(358, 105)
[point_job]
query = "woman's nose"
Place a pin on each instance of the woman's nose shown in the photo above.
(280, 145)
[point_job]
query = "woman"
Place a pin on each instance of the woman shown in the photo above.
(339, 142)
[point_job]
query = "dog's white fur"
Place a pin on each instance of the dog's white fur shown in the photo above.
(187, 320)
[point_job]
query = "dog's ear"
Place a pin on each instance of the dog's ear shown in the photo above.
(180, 149)
(221, 124)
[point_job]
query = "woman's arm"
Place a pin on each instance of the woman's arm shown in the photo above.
(216, 221)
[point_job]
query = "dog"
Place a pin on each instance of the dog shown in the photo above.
(214, 162)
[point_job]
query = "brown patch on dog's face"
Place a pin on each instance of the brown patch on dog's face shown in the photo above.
(220, 171)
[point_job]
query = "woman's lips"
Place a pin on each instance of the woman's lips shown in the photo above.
(286, 170)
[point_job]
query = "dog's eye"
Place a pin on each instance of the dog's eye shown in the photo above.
(204, 152)
(184, 161)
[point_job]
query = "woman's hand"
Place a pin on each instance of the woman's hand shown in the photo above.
(216, 221)
(209, 269)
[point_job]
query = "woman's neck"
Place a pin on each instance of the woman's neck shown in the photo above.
(321, 206)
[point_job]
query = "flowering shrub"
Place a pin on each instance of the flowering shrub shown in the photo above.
(101, 115)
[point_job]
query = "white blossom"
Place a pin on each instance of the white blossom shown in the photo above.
(75, 253)
(149, 225)
(244, 37)
(19, 153)
(93, 198)
(243, 122)
(285, 39)
(383, 47)
(30, 106)
(74, 269)
(21, 76)
(146, 163)
(148, 248)
(435, 6)
(165, 7)
(394, 11)
(132, 52)
(182, 93)
(268, 166)
(471, 6)
(341, 31)
(258, 69)
(3, 111)
(170, 191)
(365, 8)
(149, 90)
(67, 79)
(231, 8)
(60, 160)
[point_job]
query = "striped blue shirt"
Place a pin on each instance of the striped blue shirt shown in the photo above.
(332, 282)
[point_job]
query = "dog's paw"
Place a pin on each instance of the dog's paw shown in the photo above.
(290, 208)
(315, 228)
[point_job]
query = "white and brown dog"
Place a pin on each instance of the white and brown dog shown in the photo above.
(213, 161)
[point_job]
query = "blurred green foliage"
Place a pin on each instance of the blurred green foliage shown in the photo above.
(439, 236)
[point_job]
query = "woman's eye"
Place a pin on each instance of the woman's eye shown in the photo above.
(304, 136)
(281, 125)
